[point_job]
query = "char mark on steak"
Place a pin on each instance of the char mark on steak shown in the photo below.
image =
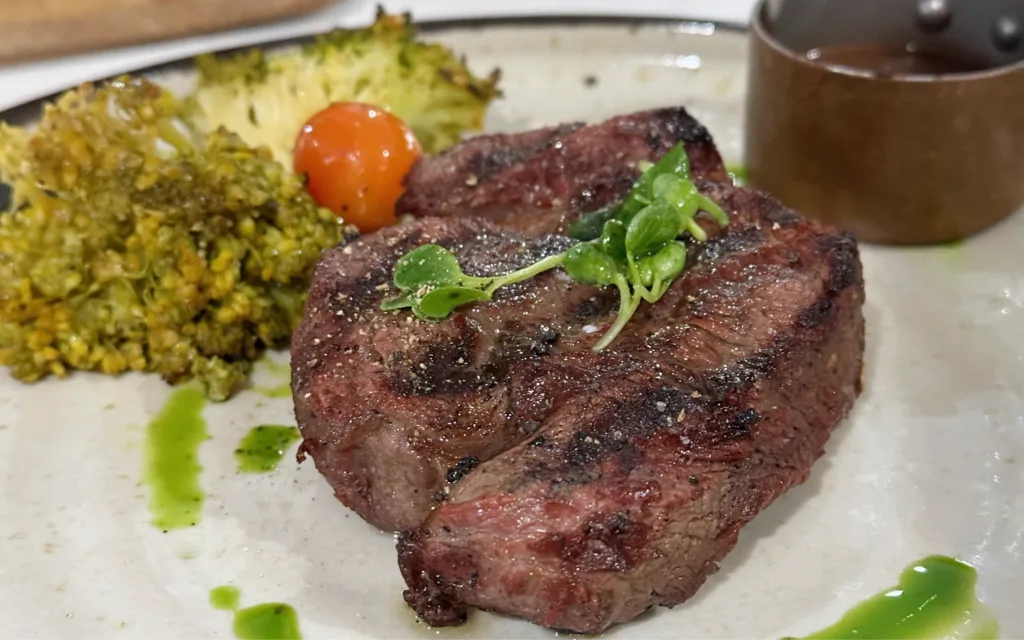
(534, 477)
(540, 181)
(389, 404)
(629, 472)
(711, 404)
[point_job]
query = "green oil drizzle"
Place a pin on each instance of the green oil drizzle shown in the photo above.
(225, 598)
(263, 448)
(934, 599)
(738, 173)
(171, 467)
(267, 621)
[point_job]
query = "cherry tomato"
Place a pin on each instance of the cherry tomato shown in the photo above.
(354, 157)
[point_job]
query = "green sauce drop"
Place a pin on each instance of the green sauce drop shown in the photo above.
(225, 598)
(934, 599)
(262, 449)
(171, 467)
(268, 621)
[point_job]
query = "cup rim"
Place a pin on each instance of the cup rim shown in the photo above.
(759, 28)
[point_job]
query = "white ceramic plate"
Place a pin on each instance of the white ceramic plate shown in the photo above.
(931, 461)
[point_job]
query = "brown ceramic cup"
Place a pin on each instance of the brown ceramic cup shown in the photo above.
(895, 159)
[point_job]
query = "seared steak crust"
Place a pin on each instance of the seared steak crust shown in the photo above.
(571, 488)
(540, 181)
(636, 484)
(388, 404)
(531, 476)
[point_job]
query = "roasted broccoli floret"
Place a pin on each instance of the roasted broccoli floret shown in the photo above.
(136, 242)
(266, 98)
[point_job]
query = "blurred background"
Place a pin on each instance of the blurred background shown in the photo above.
(50, 44)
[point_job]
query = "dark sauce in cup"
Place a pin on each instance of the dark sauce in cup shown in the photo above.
(888, 61)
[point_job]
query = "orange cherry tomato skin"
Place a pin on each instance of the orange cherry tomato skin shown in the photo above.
(354, 157)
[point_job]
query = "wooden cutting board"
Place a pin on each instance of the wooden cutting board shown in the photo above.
(31, 29)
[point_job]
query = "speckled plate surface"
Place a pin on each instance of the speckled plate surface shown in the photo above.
(931, 460)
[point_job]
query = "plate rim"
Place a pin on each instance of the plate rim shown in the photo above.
(32, 108)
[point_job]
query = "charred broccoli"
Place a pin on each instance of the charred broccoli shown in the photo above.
(135, 242)
(266, 98)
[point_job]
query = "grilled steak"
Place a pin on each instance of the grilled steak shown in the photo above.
(390, 406)
(533, 477)
(656, 453)
(540, 181)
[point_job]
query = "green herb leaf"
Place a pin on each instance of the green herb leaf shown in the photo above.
(668, 185)
(429, 264)
(589, 225)
(715, 211)
(586, 263)
(440, 302)
(668, 263)
(651, 229)
(631, 245)
(628, 302)
(681, 194)
(407, 299)
(644, 271)
(688, 205)
(676, 162)
(419, 313)
(696, 230)
(613, 239)
(641, 194)
(490, 285)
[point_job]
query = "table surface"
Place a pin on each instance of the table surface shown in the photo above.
(23, 82)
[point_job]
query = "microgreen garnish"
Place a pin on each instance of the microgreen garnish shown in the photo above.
(432, 284)
(632, 245)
